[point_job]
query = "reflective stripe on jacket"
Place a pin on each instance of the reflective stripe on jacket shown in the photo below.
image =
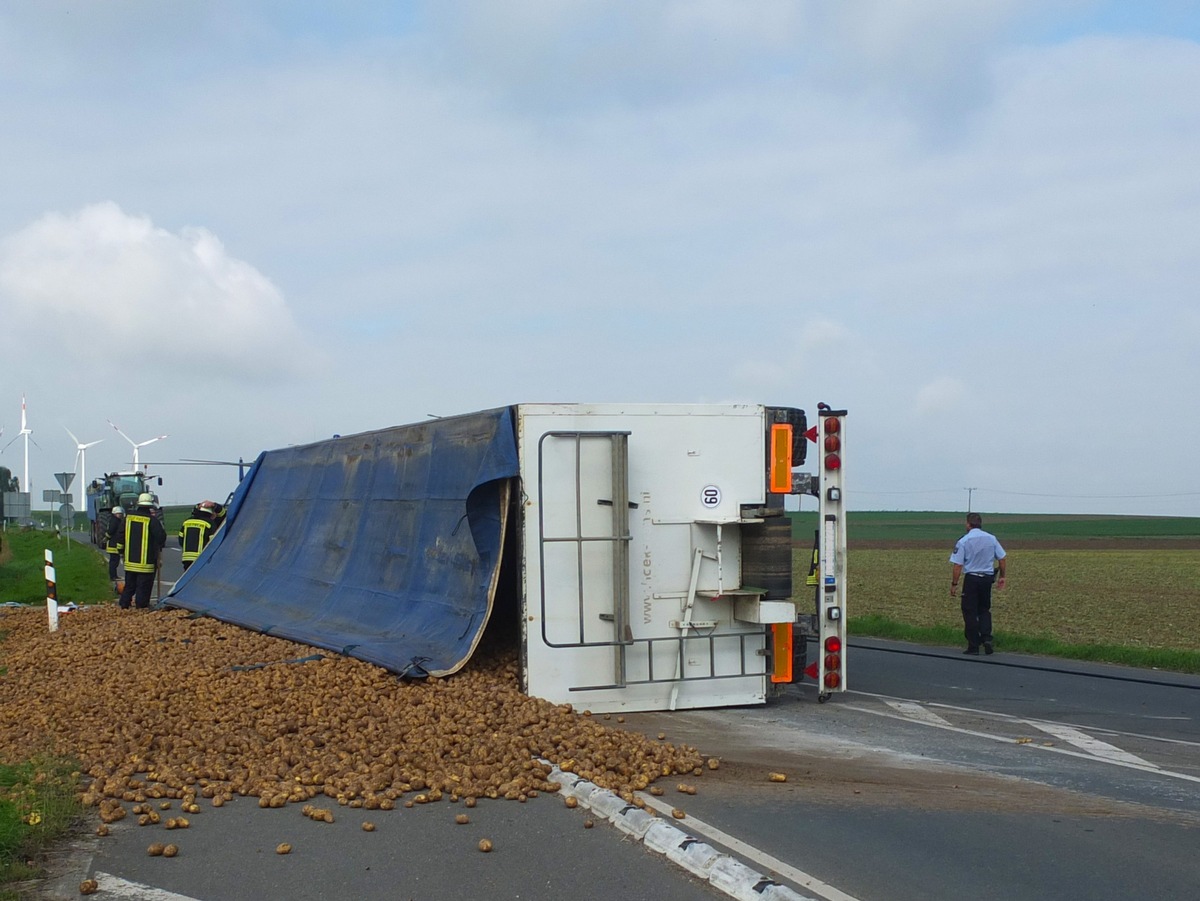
(115, 536)
(193, 536)
(144, 538)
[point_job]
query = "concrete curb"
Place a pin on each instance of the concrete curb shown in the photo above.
(67, 867)
(722, 871)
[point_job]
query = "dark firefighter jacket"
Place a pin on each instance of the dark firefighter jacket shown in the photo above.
(114, 535)
(193, 536)
(145, 537)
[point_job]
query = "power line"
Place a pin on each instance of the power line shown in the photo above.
(1096, 496)
(859, 491)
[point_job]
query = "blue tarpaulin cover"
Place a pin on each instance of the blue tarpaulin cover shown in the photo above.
(384, 545)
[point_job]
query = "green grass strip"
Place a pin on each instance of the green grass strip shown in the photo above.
(80, 570)
(39, 803)
(1179, 661)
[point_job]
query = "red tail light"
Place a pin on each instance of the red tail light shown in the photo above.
(833, 443)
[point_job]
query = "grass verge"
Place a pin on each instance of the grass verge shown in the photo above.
(80, 571)
(1182, 661)
(39, 804)
(1133, 607)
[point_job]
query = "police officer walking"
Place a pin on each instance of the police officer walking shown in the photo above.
(114, 541)
(145, 538)
(979, 555)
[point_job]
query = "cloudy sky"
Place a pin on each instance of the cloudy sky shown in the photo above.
(975, 225)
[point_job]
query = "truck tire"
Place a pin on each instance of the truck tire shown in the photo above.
(767, 556)
(100, 527)
(799, 655)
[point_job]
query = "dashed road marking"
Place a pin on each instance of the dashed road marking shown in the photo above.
(117, 887)
(1005, 739)
(915, 711)
(1090, 744)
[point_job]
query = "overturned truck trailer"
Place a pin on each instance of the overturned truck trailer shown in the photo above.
(639, 554)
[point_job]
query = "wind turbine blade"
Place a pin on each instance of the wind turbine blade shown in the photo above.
(90, 443)
(119, 432)
(73, 438)
(22, 412)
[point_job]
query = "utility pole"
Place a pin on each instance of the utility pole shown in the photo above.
(969, 492)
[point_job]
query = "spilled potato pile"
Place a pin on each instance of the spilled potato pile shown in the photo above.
(158, 704)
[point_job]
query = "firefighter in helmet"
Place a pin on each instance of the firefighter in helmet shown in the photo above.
(145, 537)
(197, 530)
(114, 541)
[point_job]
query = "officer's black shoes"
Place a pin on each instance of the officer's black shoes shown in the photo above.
(987, 648)
(973, 652)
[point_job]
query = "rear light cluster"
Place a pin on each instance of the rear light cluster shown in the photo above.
(833, 661)
(833, 443)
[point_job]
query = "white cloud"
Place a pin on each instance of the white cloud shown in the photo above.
(662, 200)
(943, 398)
(823, 335)
(930, 57)
(99, 277)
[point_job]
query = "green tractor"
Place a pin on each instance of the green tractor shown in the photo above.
(112, 490)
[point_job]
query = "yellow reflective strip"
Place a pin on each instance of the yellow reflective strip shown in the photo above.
(194, 531)
(137, 544)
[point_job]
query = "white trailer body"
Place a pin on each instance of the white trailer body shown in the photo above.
(644, 551)
(631, 528)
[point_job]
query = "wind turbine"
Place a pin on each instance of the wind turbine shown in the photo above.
(136, 444)
(80, 455)
(26, 431)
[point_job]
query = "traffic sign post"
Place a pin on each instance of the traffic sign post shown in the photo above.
(66, 516)
(64, 479)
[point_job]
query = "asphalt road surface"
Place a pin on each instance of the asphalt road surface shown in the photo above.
(938, 776)
(941, 776)
(172, 562)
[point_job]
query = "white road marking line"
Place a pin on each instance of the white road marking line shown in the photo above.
(1089, 743)
(912, 710)
(1016, 719)
(134, 891)
(762, 858)
(1006, 740)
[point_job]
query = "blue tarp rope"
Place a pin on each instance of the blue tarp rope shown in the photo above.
(243, 668)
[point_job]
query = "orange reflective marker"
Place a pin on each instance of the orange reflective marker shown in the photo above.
(781, 644)
(780, 481)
